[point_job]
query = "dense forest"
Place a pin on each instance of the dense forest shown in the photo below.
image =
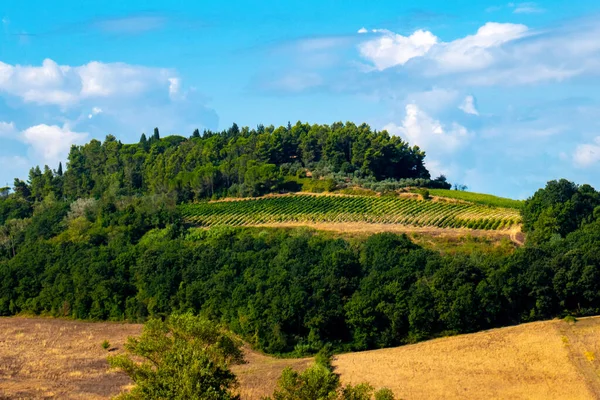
(104, 240)
(236, 162)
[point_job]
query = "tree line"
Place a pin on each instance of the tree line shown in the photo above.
(235, 162)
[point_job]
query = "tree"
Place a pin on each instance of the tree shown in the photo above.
(60, 169)
(196, 133)
(185, 357)
(156, 135)
(11, 232)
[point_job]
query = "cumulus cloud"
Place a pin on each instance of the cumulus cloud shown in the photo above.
(428, 133)
(587, 154)
(391, 49)
(471, 52)
(66, 86)
(51, 143)
(497, 54)
(468, 106)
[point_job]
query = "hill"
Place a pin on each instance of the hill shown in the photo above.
(64, 359)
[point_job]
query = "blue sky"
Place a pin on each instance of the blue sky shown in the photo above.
(503, 96)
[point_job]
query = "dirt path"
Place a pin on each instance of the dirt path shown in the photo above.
(582, 340)
(514, 234)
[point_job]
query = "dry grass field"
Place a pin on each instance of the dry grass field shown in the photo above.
(43, 358)
(541, 360)
(60, 359)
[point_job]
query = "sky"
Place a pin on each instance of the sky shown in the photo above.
(502, 96)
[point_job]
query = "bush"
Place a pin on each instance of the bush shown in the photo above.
(424, 194)
(186, 357)
(320, 382)
(384, 394)
(106, 345)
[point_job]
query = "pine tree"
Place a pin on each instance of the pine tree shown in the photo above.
(156, 135)
(60, 169)
(196, 133)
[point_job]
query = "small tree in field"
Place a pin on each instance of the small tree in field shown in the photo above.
(185, 357)
(320, 382)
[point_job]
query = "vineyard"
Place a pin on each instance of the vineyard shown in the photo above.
(478, 198)
(307, 208)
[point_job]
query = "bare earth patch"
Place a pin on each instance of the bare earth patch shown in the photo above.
(42, 358)
(258, 377)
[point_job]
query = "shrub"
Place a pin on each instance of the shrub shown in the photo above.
(570, 319)
(320, 382)
(384, 394)
(185, 357)
(106, 345)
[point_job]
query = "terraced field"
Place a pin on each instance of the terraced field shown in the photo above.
(312, 208)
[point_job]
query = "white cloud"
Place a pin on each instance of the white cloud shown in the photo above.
(497, 54)
(392, 49)
(95, 111)
(363, 30)
(7, 129)
(527, 8)
(51, 143)
(468, 106)
(588, 154)
(62, 85)
(470, 52)
(428, 133)
(174, 87)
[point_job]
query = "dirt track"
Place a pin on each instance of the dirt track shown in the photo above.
(513, 234)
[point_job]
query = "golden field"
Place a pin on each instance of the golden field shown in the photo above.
(62, 359)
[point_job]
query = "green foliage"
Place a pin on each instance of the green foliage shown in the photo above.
(365, 209)
(478, 198)
(558, 209)
(106, 345)
(236, 162)
(424, 194)
(570, 319)
(320, 382)
(384, 394)
(185, 357)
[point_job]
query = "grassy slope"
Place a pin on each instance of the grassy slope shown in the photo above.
(478, 198)
(541, 360)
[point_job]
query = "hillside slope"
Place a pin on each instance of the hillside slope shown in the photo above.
(54, 358)
(540, 360)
